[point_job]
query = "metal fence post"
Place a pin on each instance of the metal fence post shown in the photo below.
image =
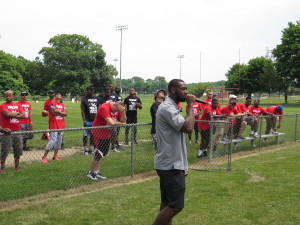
(211, 128)
(296, 126)
(132, 151)
(260, 132)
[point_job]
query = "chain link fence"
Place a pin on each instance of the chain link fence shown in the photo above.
(222, 139)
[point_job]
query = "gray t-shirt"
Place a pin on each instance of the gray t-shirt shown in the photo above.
(171, 149)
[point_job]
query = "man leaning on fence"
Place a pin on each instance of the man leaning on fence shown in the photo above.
(170, 160)
(11, 113)
(108, 114)
(276, 112)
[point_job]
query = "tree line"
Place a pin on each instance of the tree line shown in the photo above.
(279, 72)
(71, 62)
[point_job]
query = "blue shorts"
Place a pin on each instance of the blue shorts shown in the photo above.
(87, 124)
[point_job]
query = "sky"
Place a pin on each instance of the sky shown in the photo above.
(212, 35)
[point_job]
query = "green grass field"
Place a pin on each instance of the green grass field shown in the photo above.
(262, 189)
(229, 197)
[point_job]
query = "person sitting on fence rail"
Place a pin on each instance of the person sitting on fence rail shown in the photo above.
(89, 106)
(26, 124)
(230, 111)
(57, 112)
(107, 114)
(209, 111)
(257, 110)
(277, 112)
(159, 97)
(11, 113)
(245, 108)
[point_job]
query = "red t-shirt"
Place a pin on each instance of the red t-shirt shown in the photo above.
(26, 106)
(257, 111)
(244, 108)
(57, 122)
(227, 111)
(206, 116)
(48, 103)
(272, 109)
(196, 108)
(104, 111)
(11, 123)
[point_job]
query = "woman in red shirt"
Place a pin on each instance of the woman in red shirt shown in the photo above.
(57, 112)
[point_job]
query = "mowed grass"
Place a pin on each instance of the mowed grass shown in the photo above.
(262, 189)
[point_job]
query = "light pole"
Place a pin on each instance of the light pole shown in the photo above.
(180, 57)
(116, 60)
(121, 28)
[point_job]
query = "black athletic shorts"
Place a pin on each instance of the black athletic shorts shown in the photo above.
(103, 146)
(172, 187)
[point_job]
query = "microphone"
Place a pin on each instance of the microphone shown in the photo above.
(200, 101)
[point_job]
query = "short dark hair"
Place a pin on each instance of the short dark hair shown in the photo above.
(214, 100)
(248, 97)
(89, 88)
(107, 89)
(173, 83)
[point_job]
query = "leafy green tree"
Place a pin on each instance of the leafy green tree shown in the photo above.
(74, 62)
(197, 89)
(237, 79)
(11, 70)
(287, 55)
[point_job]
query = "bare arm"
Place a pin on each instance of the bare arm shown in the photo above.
(17, 115)
(188, 125)
(82, 111)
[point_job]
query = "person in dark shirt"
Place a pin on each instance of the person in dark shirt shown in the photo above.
(89, 106)
(107, 96)
(159, 97)
(117, 94)
(132, 103)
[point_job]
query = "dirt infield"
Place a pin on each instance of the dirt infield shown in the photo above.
(117, 182)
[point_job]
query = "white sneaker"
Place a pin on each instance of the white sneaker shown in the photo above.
(99, 175)
(92, 176)
(190, 141)
(256, 135)
(114, 150)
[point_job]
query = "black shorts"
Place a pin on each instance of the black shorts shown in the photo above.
(172, 187)
(103, 146)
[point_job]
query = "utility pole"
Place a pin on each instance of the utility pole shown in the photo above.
(121, 28)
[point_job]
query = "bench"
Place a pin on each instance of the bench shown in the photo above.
(250, 138)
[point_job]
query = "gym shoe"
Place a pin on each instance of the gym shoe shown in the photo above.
(240, 137)
(44, 160)
(85, 153)
(92, 176)
(202, 153)
(99, 175)
(27, 149)
(2, 170)
(225, 139)
(17, 168)
(55, 158)
(114, 150)
(190, 141)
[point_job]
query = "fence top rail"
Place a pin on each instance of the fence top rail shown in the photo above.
(76, 129)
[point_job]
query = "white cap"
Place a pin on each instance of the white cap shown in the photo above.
(232, 96)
